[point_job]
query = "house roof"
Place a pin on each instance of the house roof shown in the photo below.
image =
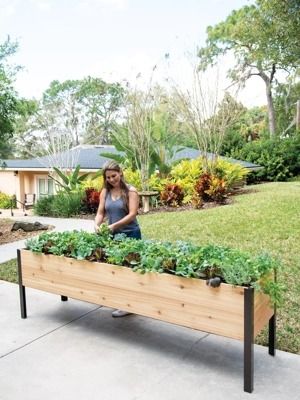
(90, 159)
(88, 156)
(191, 153)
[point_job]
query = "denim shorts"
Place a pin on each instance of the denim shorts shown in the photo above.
(134, 234)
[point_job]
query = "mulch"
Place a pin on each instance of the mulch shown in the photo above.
(8, 236)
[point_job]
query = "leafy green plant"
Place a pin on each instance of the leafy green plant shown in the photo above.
(279, 157)
(66, 204)
(181, 258)
(43, 206)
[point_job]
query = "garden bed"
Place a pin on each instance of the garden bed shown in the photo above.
(234, 311)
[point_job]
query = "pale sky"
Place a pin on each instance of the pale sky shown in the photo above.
(109, 39)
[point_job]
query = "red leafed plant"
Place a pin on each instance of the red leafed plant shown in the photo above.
(172, 195)
(91, 200)
(211, 188)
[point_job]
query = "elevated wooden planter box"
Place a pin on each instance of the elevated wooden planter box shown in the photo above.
(232, 311)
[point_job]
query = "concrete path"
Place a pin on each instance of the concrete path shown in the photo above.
(74, 350)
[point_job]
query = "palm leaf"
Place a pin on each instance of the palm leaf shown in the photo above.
(63, 176)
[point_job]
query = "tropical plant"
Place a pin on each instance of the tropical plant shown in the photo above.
(172, 195)
(70, 181)
(90, 201)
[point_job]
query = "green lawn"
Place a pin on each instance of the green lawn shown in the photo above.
(265, 218)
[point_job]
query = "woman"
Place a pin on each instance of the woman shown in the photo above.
(119, 202)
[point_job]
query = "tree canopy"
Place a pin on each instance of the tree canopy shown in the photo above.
(263, 38)
(8, 96)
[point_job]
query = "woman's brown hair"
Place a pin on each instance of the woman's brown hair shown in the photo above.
(114, 166)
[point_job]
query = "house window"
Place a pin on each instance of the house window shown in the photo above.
(45, 187)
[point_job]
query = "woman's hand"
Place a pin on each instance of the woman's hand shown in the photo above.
(110, 227)
(96, 227)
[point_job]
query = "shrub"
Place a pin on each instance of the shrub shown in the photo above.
(66, 204)
(6, 201)
(172, 195)
(59, 205)
(133, 178)
(211, 188)
(95, 183)
(43, 206)
(185, 174)
(190, 169)
(234, 175)
(90, 201)
(202, 185)
(157, 183)
(279, 157)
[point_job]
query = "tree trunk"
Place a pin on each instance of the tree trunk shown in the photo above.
(271, 110)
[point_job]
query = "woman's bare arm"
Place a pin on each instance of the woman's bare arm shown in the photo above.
(101, 210)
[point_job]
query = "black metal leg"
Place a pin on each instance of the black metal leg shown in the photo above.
(64, 298)
(272, 334)
(248, 339)
(21, 288)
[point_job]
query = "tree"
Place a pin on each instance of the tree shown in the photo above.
(139, 107)
(251, 125)
(165, 136)
(63, 99)
(70, 113)
(206, 112)
(101, 101)
(8, 96)
(263, 38)
(23, 142)
(286, 97)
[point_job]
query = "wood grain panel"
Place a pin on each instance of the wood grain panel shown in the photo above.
(182, 301)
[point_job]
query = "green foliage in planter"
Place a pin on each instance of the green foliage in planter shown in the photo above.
(184, 259)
